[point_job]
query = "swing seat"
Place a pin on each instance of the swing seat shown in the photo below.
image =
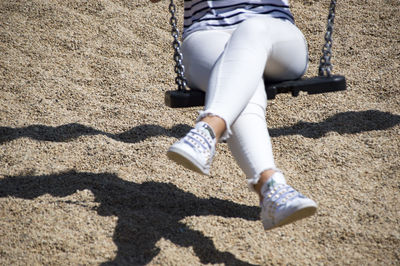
(315, 85)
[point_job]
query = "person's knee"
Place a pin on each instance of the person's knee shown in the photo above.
(255, 110)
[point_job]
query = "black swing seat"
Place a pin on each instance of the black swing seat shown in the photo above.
(314, 85)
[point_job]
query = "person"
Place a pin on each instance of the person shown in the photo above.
(229, 47)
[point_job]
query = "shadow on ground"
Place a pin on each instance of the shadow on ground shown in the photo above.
(146, 212)
(343, 123)
(72, 131)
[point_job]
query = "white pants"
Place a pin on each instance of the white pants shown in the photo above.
(229, 64)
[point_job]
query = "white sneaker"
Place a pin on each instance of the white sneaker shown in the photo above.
(283, 205)
(196, 150)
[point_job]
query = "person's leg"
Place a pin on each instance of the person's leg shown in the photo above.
(250, 142)
(200, 52)
(200, 56)
(251, 147)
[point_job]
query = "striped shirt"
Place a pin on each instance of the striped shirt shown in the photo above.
(202, 14)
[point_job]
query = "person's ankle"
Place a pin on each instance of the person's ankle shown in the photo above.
(205, 126)
(264, 177)
(268, 177)
(217, 124)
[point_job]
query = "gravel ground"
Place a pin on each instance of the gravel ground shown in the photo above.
(84, 179)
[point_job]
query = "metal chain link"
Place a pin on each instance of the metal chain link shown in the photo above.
(180, 79)
(325, 66)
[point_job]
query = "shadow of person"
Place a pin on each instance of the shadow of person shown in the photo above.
(342, 123)
(72, 131)
(146, 212)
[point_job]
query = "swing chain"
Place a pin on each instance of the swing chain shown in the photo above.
(180, 79)
(325, 66)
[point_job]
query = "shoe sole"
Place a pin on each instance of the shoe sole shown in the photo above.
(184, 159)
(297, 215)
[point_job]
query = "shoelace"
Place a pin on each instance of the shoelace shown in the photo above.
(201, 141)
(276, 196)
